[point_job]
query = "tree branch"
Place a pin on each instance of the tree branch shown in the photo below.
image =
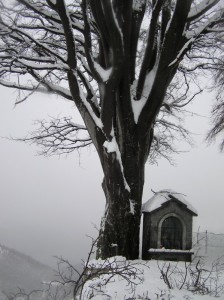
(59, 136)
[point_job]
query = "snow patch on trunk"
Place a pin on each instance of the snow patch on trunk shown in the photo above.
(132, 207)
(111, 147)
(138, 4)
(138, 105)
(104, 73)
(53, 2)
(117, 24)
(149, 81)
(97, 120)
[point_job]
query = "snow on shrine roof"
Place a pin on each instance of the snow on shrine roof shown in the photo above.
(163, 196)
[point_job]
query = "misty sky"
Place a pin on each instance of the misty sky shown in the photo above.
(49, 205)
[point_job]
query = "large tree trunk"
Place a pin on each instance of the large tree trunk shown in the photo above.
(119, 233)
(123, 186)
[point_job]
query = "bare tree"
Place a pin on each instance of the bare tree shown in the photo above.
(123, 63)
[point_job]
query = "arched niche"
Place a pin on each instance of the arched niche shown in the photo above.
(171, 232)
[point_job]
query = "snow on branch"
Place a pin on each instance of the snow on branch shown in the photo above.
(31, 41)
(105, 58)
(40, 38)
(99, 73)
(216, 18)
(199, 9)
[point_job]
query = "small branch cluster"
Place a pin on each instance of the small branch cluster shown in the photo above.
(113, 269)
(194, 277)
(59, 136)
(22, 294)
(218, 108)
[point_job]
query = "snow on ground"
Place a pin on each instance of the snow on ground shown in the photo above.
(146, 281)
(120, 279)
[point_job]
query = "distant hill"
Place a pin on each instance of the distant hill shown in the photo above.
(19, 270)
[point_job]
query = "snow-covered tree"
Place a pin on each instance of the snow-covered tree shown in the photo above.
(128, 66)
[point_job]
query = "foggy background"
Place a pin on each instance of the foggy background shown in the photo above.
(49, 205)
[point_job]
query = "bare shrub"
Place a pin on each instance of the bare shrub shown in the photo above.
(194, 277)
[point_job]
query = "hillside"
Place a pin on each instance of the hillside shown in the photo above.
(19, 270)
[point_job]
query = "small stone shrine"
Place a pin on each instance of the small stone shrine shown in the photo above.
(167, 227)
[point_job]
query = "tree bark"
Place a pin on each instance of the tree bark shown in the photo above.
(123, 186)
(119, 233)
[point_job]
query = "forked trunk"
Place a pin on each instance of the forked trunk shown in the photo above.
(123, 156)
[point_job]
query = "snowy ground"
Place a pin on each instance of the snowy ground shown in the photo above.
(146, 280)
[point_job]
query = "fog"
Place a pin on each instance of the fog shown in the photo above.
(50, 205)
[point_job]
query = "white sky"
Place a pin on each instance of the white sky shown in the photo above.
(49, 205)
